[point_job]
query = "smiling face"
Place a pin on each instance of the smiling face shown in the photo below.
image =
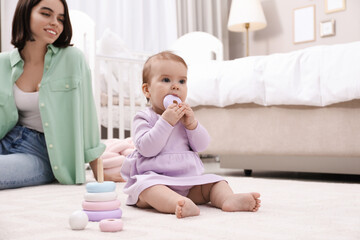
(46, 21)
(167, 77)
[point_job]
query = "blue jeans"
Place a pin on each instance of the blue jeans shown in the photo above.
(24, 160)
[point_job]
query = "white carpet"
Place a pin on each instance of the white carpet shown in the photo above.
(291, 209)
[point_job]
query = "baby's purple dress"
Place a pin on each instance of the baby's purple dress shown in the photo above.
(165, 155)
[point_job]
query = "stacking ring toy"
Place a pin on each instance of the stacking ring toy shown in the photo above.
(100, 197)
(100, 187)
(170, 99)
(111, 225)
(101, 206)
(96, 216)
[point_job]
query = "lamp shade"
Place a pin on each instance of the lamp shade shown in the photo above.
(246, 11)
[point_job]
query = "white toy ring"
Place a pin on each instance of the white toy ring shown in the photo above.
(100, 197)
(101, 206)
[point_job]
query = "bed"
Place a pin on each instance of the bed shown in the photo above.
(296, 111)
(285, 138)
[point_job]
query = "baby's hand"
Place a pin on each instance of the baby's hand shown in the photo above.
(173, 114)
(188, 120)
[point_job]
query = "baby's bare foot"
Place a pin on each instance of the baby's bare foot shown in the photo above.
(242, 202)
(186, 208)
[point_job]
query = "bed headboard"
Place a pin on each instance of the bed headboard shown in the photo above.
(198, 46)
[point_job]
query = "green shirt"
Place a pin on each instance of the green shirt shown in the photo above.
(66, 106)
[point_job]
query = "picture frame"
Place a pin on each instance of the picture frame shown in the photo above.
(304, 24)
(327, 28)
(332, 6)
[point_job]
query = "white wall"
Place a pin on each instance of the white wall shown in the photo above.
(278, 35)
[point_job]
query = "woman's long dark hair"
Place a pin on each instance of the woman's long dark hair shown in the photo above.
(21, 31)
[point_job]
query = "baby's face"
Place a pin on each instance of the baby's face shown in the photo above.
(167, 77)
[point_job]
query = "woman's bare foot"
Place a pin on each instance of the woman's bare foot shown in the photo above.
(242, 202)
(186, 208)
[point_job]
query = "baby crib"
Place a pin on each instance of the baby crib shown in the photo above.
(116, 73)
(118, 93)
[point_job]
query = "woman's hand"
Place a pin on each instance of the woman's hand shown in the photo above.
(173, 114)
(188, 120)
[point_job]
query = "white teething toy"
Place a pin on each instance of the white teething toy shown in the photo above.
(170, 99)
(78, 220)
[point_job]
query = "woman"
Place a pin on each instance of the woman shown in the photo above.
(48, 124)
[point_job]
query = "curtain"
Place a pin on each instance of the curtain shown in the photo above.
(143, 25)
(7, 13)
(209, 16)
(0, 25)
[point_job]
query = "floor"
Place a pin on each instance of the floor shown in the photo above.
(213, 166)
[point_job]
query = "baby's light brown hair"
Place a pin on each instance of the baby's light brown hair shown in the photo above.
(165, 55)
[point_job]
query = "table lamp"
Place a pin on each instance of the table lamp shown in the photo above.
(245, 16)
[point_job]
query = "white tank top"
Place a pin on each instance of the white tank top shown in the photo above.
(27, 104)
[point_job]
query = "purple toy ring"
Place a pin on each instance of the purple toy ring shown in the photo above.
(96, 216)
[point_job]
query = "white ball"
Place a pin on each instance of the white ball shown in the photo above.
(78, 220)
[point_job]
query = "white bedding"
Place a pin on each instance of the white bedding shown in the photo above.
(317, 76)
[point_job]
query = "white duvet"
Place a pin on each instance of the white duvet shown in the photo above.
(317, 76)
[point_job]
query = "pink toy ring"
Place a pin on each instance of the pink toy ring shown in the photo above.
(111, 225)
(170, 99)
(96, 216)
(101, 206)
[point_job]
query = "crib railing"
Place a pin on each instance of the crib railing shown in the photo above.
(118, 94)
